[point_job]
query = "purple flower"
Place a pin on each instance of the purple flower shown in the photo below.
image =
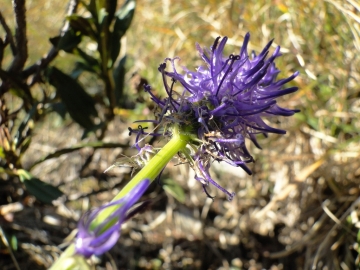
(102, 238)
(222, 104)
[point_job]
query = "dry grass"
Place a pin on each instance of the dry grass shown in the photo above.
(300, 209)
(306, 185)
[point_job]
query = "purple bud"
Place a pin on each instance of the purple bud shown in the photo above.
(96, 241)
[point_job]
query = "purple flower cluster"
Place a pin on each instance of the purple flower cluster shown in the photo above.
(222, 104)
(99, 240)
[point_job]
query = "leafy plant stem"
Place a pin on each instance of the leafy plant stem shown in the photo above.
(103, 50)
(150, 171)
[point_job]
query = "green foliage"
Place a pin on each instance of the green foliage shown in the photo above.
(106, 28)
(44, 192)
(103, 26)
(14, 243)
(67, 42)
(82, 25)
(79, 104)
(60, 152)
(88, 63)
(123, 18)
(119, 78)
(174, 189)
(20, 134)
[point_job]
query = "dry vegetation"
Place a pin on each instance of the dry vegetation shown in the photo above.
(301, 207)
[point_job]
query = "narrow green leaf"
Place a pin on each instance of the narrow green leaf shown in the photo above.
(57, 107)
(95, 145)
(114, 48)
(14, 242)
(25, 145)
(18, 139)
(79, 104)
(93, 129)
(110, 8)
(2, 153)
(175, 190)
(91, 7)
(119, 78)
(54, 40)
(123, 18)
(42, 191)
(89, 63)
(68, 41)
(82, 25)
(103, 16)
(79, 68)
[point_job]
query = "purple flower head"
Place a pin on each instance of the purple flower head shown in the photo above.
(102, 238)
(222, 103)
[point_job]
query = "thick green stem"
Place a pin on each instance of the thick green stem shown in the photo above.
(150, 171)
(153, 168)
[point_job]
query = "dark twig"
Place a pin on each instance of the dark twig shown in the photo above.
(2, 48)
(19, 49)
(7, 244)
(45, 61)
(8, 38)
(11, 79)
(20, 36)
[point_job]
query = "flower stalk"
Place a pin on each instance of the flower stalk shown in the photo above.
(152, 169)
(217, 108)
(69, 259)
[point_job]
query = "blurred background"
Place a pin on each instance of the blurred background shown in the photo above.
(299, 209)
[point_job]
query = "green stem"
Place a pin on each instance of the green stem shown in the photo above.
(150, 171)
(153, 168)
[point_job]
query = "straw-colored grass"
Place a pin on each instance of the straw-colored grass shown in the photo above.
(306, 184)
